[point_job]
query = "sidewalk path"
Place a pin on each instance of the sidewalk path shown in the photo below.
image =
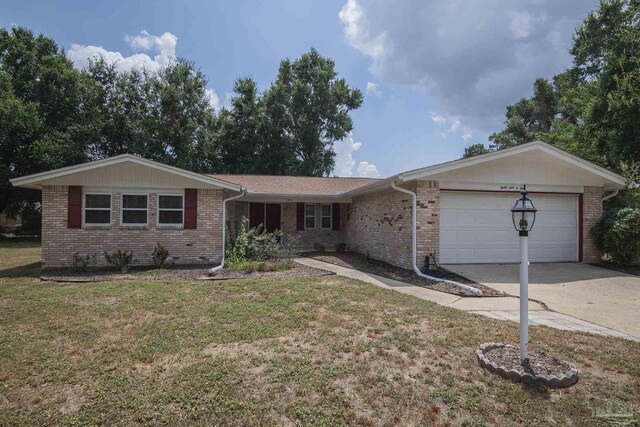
(502, 308)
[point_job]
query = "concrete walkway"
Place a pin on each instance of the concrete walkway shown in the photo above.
(502, 308)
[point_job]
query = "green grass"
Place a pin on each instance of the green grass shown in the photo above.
(313, 351)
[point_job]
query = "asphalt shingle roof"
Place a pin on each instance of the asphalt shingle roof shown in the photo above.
(274, 184)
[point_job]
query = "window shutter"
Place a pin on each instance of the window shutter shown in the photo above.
(335, 216)
(74, 207)
(190, 208)
(300, 216)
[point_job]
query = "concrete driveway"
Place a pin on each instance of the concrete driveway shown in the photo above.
(604, 297)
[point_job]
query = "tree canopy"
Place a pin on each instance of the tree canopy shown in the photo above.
(592, 109)
(53, 115)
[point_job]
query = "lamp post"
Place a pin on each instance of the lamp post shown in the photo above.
(524, 216)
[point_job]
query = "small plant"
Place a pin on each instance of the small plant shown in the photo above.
(81, 263)
(120, 260)
(159, 255)
(289, 246)
(319, 247)
(341, 248)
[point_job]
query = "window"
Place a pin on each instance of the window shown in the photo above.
(310, 216)
(97, 209)
(170, 210)
(325, 219)
(134, 209)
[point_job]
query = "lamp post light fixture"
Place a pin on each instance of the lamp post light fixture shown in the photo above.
(524, 216)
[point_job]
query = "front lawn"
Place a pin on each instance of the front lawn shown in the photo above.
(301, 350)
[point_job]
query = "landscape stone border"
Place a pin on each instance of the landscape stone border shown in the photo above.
(566, 379)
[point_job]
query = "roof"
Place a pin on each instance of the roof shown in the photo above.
(611, 180)
(295, 185)
(36, 180)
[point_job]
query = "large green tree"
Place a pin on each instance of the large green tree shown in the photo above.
(310, 106)
(44, 113)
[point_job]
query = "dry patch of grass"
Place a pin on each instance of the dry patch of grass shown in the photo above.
(316, 351)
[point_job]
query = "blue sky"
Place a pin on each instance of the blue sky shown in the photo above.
(437, 75)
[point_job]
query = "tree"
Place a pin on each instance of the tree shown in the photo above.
(528, 118)
(44, 104)
(311, 105)
(475, 150)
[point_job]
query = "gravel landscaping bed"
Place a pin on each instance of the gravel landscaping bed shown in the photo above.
(381, 268)
(183, 272)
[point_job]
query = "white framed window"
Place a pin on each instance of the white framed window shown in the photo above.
(134, 209)
(170, 209)
(325, 216)
(96, 208)
(309, 216)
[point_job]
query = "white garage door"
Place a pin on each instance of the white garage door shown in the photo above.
(477, 228)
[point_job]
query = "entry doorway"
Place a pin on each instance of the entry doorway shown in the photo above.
(267, 214)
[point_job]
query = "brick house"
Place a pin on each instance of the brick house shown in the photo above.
(462, 209)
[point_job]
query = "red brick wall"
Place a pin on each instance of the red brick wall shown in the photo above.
(591, 214)
(198, 246)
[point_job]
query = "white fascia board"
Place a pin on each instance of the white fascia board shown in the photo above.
(287, 197)
(31, 181)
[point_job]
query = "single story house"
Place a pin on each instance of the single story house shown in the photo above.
(462, 209)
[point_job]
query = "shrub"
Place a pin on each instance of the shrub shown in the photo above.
(319, 247)
(120, 260)
(289, 246)
(617, 235)
(159, 255)
(248, 267)
(253, 244)
(341, 248)
(81, 263)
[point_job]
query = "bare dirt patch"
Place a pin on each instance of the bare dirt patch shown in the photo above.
(381, 268)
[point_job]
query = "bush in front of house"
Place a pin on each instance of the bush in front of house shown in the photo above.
(318, 247)
(341, 248)
(81, 263)
(257, 250)
(159, 255)
(617, 235)
(120, 259)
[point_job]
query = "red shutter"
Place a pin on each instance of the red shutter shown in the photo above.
(190, 208)
(300, 216)
(335, 216)
(74, 207)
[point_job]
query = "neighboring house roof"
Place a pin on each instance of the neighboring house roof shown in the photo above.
(295, 185)
(38, 179)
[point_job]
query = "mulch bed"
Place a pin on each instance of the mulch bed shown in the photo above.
(634, 270)
(381, 268)
(298, 270)
(541, 368)
(181, 273)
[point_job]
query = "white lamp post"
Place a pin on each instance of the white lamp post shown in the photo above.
(524, 216)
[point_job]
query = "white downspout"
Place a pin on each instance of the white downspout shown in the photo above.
(224, 228)
(608, 196)
(416, 270)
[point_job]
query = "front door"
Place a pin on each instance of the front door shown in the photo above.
(265, 214)
(272, 214)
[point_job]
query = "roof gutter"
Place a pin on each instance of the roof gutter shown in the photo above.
(416, 270)
(610, 195)
(224, 228)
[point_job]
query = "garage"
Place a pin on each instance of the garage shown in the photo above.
(476, 227)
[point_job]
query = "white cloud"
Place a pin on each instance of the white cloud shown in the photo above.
(345, 162)
(162, 47)
(373, 88)
(357, 31)
(472, 58)
(368, 170)
(451, 125)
